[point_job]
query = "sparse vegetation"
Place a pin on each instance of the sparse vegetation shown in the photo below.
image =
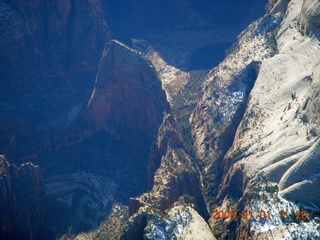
(272, 189)
(184, 104)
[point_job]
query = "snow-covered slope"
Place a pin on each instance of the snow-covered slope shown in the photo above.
(258, 115)
(180, 222)
(277, 129)
(224, 97)
(278, 137)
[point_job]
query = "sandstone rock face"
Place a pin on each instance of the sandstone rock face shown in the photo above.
(168, 138)
(176, 180)
(124, 112)
(179, 221)
(182, 222)
(310, 18)
(128, 100)
(173, 79)
(274, 153)
(222, 101)
(275, 6)
(62, 42)
(176, 174)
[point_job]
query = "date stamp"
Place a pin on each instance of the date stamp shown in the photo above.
(262, 214)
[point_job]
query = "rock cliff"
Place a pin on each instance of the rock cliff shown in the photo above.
(175, 182)
(25, 210)
(45, 41)
(127, 100)
(49, 57)
(223, 99)
(271, 163)
(120, 162)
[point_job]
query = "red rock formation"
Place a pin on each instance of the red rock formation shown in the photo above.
(128, 100)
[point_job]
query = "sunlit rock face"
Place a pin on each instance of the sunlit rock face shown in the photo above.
(223, 99)
(272, 162)
(310, 18)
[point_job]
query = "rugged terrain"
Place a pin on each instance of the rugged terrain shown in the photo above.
(144, 139)
(271, 162)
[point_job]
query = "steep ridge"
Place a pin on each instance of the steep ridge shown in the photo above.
(273, 162)
(95, 164)
(223, 99)
(175, 199)
(128, 100)
(97, 176)
(94, 154)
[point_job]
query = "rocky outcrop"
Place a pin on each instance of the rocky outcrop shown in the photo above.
(22, 194)
(173, 79)
(273, 157)
(223, 98)
(124, 112)
(310, 18)
(24, 209)
(176, 179)
(276, 6)
(128, 100)
(168, 137)
(179, 221)
(176, 174)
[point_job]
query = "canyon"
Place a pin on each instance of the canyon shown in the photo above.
(134, 120)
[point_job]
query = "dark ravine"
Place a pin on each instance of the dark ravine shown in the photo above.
(175, 178)
(188, 34)
(48, 67)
